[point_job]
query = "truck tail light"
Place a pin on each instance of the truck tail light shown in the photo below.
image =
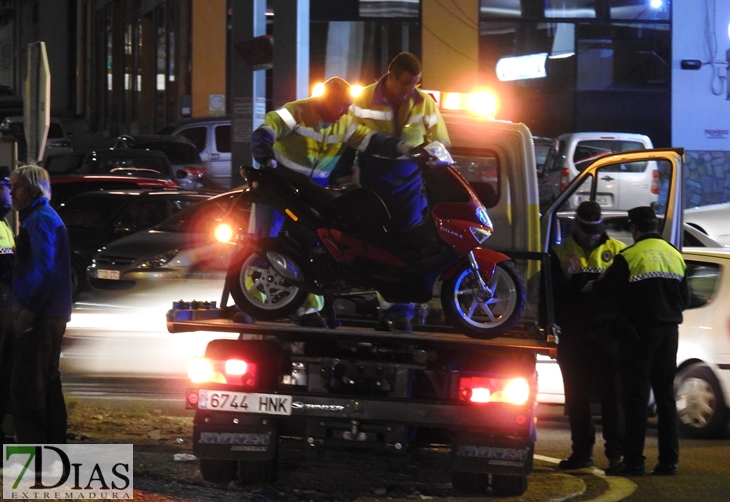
(564, 178)
(231, 371)
(494, 390)
(655, 182)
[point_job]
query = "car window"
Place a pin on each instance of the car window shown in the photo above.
(197, 135)
(223, 138)
(703, 279)
(177, 153)
(91, 212)
(205, 216)
(587, 151)
(143, 214)
(480, 169)
(55, 131)
(62, 164)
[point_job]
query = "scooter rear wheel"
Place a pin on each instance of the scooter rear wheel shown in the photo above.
(258, 289)
(484, 316)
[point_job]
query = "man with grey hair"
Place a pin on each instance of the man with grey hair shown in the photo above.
(42, 298)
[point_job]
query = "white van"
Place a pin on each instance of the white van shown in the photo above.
(628, 185)
(212, 138)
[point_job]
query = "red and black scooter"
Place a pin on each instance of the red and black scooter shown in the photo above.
(335, 242)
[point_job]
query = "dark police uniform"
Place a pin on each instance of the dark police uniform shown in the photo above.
(586, 355)
(649, 282)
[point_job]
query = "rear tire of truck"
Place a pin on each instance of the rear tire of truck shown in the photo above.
(258, 289)
(470, 483)
(505, 485)
(473, 313)
(217, 470)
(253, 472)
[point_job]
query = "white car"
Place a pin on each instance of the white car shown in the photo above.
(702, 383)
(714, 220)
(622, 187)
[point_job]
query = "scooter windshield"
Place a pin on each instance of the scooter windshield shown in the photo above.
(439, 153)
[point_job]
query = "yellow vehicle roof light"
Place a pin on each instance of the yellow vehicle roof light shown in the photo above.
(451, 101)
(356, 90)
(483, 103)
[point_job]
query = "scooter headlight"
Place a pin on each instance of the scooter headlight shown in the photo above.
(481, 234)
(484, 217)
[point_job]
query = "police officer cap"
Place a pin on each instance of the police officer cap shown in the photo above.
(5, 175)
(589, 218)
(643, 213)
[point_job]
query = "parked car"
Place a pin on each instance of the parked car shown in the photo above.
(627, 185)
(182, 154)
(212, 137)
(139, 163)
(713, 219)
(57, 141)
(94, 219)
(63, 163)
(182, 246)
(65, 187)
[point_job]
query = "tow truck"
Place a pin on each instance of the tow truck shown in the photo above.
(355, 387)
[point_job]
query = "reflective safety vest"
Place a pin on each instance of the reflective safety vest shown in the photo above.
(7, 242)
(416, 120)
(654, 259)
(304, 143)
(594, 263)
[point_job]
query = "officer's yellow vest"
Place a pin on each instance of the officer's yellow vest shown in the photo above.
(596, 262)
(7, 242)
(654, 258)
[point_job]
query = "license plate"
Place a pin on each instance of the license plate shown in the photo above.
(244, 402)
(108, 274)
(603, 200)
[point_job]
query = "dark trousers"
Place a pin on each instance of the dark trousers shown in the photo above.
(37, 397)
(650, 362)
(6, 364)
(588, 362)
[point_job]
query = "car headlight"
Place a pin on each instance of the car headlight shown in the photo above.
(156, 261)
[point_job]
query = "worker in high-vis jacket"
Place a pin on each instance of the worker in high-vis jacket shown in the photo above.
(396, 106)
(308, 136)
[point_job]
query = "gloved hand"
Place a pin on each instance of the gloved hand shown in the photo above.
(272, 164)
(404, 148)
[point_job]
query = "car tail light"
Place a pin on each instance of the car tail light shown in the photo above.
(230, 371)
(494, 390)
(655, 182)
(564, 178)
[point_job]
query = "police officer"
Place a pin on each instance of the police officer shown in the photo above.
(308, 136)
(587, 353)
(395, 106)
(648, 280)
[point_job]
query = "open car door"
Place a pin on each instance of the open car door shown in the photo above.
(666, 185)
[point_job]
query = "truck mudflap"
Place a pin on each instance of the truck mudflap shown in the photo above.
(493, 455)
(255, 440)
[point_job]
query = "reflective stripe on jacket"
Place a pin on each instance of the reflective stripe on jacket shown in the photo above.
(416, 120)
(304, 143)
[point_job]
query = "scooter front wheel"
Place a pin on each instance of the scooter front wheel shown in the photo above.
(484, 314)
(258, 289)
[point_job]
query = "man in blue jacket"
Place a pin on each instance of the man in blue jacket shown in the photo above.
(42, 296)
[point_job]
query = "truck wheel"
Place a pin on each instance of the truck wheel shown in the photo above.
(505, 485)
(480, 315)
(470, 483)
(258, 289)
(218, 471)
(254, 472)
(701, 407)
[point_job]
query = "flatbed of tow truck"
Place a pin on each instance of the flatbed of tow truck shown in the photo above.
(525, 337)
